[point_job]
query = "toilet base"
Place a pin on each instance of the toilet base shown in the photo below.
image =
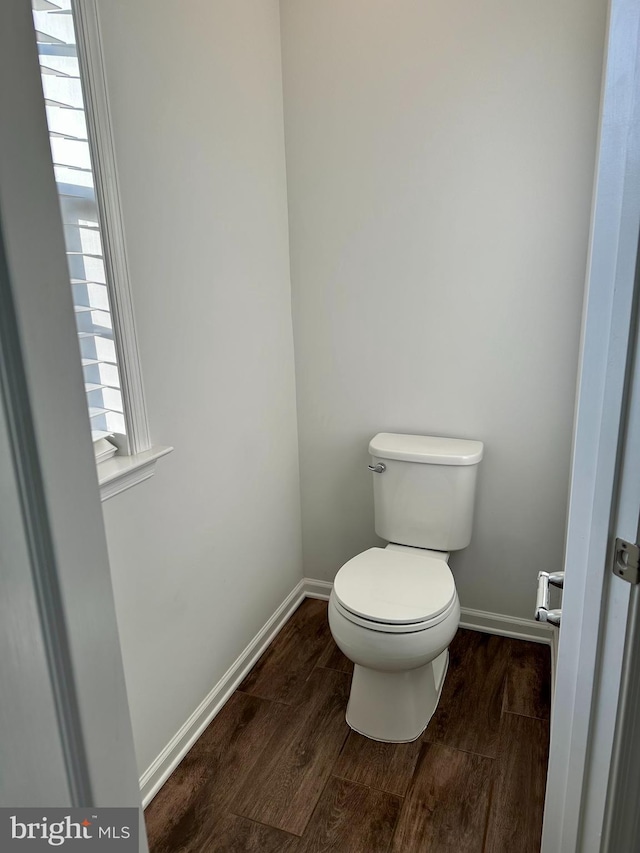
(395, 707)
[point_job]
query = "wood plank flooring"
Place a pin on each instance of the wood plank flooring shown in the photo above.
(447, 805)
(287, 783)
(279, 771)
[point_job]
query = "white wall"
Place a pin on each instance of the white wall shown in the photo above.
(204, 552)
(440, 159)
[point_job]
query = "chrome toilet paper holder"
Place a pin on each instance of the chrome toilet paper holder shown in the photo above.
(545, 580)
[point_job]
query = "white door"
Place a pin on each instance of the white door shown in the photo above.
(65, 733)
(605, 486)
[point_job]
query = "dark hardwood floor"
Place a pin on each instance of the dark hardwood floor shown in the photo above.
(279, 771)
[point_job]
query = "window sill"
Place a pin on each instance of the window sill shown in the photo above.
(122, 472)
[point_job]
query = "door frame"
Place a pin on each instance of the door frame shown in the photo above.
(596, 604)
(50, 474)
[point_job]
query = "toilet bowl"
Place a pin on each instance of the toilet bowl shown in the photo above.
(394, 612)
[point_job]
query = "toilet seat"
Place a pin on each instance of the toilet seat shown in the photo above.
(395, 591)
(390, 628)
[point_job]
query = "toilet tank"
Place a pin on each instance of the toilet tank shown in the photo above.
(425, 495)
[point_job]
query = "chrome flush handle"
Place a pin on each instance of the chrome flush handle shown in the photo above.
(379, 468)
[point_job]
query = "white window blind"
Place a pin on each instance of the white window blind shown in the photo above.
(66, 119)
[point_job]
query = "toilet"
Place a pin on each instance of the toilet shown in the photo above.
(393, 611)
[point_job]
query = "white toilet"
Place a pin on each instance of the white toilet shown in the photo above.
(394, 611)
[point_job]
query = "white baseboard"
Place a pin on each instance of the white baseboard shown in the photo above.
(159, 771)
(506, 626)
(317, 589)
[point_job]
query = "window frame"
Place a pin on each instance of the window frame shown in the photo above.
(136, 459)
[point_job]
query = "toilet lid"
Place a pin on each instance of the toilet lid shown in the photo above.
(395, 587)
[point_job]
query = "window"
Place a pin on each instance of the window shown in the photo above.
(67, 35)
(68, 135)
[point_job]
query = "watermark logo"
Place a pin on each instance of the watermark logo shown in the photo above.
(108, 830)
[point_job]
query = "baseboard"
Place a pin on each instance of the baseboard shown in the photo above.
(159, 771)
(317, 589)
(506, 626)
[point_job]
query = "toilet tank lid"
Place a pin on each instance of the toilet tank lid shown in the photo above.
(426, 448)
